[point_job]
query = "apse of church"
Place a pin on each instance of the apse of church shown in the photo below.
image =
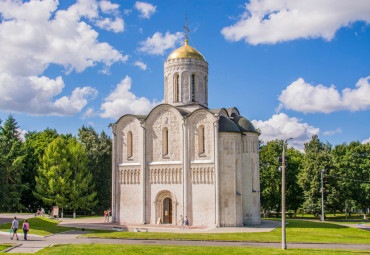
(185, 159)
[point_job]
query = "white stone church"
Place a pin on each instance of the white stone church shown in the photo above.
(185, 159)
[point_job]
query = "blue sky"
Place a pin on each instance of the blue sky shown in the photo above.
(294, 68)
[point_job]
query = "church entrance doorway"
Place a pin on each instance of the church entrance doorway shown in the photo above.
(167, 211)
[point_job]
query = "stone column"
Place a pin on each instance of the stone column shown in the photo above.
(143, 170)
(216, 171)
(185, 167)
(114, 142)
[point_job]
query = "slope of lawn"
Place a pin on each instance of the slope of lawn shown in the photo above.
(39, 226)
(296, 231)
(4, 246)
(79, 249)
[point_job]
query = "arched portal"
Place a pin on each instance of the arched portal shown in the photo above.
(165, 208)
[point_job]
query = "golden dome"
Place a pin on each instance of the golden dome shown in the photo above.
(186, 51)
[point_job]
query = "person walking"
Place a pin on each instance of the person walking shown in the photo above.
(26, 228)
(181, 222)
(108, 213)
(105, 216)
(187, 222)
(15, 228)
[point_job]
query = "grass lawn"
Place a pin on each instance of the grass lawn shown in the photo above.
(4, 246)
(39, 226)
(79, 249)
(296, 231)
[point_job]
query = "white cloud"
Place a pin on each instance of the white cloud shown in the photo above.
(34, 95)
(89, 113)
(22, 133)
(333, 132)
(122, 101)
(303, 97)
(158, 44)
(34, 35)
(146, 9)
(109, 24)
(108, 7)
(140, 64)
(281, 126)
(267, 21)
(366, 141)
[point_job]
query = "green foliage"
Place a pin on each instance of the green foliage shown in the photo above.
(54, 175)
(12, 157)
(99, 154)
(35, 145)
(270, 177)
(353, 173)
(317, 158)
(63, 177)
(82, 195)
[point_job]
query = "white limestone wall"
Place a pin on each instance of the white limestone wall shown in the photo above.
(185, 68)
(164, 116)
(128, 198)
(251, 202)
(228, 166)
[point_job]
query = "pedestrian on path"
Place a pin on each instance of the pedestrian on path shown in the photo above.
(187, 222)
(181, 222)
(105, 216)
(15, 228)
(108, 213)
(26, 228)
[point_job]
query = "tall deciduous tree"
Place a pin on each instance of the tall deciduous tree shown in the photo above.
(82, 195)
(271, 177)
(35, 145)
(64, 178)
(317, 158)
(12, 157)
(99, 154)
(53, 183)
(353, 173)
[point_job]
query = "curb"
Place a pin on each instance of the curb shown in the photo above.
(11, 248)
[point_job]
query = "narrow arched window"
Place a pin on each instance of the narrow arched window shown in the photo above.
(193, 87)
(201, 140)
(129, 144)
(206, 89)
(165, 141)
(165, 90)
(176, 87)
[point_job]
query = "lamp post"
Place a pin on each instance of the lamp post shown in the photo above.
(322, 195)
(283, 239)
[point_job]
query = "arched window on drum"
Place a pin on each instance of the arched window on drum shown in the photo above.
(201, 141)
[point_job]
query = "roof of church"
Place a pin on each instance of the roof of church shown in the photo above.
(227, 125)
(229, 119)
(186, 51)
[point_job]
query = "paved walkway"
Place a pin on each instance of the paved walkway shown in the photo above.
(98, 223)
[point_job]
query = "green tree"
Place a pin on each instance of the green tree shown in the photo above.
(82, 195)
(12, 156)
(271, 177)
(53, 183)
(99, 154)
(35, 145)
(317, 157)
(353, 173)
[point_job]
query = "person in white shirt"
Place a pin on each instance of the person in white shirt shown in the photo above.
(15, 228)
